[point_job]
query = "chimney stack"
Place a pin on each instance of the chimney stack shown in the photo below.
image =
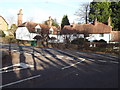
(95, 21)
(50, 21)
(19, 22)
(109, 21)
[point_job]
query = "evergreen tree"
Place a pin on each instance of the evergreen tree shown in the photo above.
(99, 10)
(102, 10)
(65, 21)
(115, 6)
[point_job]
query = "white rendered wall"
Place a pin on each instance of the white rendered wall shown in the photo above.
(62, 37)
(22, 33)
(106, 37)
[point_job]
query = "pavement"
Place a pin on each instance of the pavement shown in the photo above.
(33, 67)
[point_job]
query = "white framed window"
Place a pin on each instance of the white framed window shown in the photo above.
(37, 28)
(101, 34)
(51, 31)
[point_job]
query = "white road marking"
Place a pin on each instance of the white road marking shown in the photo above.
(103, 56)
(98, 55)
(102, 61)
(14, 50)
(59, 56)
(28, 54)
(82, 59)
(70, 65)
(91, 59)
(23, 65)
(6, 67)
(20, 81)
(109, 61)
(114, 62)
(69, 58)
(48, 55)
(12, 70)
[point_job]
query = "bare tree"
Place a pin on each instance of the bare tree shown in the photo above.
(83, 12)
(30, 19)
(11, 20)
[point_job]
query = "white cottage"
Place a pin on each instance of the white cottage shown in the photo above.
(23, 33)
(95, 31)
(28, 30)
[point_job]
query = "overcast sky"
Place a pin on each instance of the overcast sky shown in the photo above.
(40, 10)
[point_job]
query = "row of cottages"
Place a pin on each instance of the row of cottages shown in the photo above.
(95, 31)
(28, 30)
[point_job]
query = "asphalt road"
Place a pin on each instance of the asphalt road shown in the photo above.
(54, 68)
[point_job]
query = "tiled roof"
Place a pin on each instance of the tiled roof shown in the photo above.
(115, 36)
(87, 28)
(4, 19)
(31, 26)
(55, 29)
(67, 29)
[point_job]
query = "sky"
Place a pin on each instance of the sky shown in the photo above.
(39, 10)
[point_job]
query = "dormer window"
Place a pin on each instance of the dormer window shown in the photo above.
(37, 28)
(51, 31)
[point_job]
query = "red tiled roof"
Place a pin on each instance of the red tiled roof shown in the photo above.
(55, 29)
(67, 29)
(87, 28)
(31, 26)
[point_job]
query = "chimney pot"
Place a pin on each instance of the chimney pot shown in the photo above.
(19, 22)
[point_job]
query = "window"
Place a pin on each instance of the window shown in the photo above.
(101, 35)
(37, 29)
(51, 32)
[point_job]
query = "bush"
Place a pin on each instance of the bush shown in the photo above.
(78, 41)
(9, 39)
(2, 34)
(101, 40)
(95, 41)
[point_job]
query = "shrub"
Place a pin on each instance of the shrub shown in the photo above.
(78, 41)
(101, 40)
(95, 41)
(2, 34)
